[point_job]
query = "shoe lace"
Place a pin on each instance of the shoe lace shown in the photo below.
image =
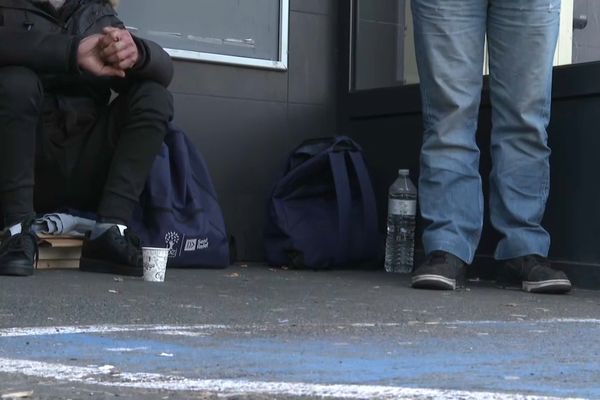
(437, 257)
(133, 244)
(527, 265)
(132, 238)
(534, 260)
(128, 239)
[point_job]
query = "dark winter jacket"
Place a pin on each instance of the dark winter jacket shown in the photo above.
(34, 35)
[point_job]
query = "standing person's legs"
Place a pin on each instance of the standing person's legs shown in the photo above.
(112, 172)
(449, 37)
(522, 37)
(21, 98)
(449, 42)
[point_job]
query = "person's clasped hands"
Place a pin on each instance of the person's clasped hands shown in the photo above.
(110, 53)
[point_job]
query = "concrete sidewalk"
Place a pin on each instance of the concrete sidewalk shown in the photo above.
(255, 332)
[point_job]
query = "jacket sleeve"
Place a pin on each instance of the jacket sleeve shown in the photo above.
(42, 52)
(154, 63)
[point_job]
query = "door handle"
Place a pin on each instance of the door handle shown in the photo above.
(580, 22)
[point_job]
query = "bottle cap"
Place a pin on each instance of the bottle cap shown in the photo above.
(403, 172)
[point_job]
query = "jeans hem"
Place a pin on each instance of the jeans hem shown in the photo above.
(519, 252)
(453, 248)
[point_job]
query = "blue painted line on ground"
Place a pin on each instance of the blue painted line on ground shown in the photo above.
(503, 361)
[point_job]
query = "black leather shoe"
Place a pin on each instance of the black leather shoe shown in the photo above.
(441, 271)
(18, 254)
(112, 253)
(533, 274)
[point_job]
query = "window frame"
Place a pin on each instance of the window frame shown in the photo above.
(365, 103)
(281, 64)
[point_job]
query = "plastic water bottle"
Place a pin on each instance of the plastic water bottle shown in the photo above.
(402, 210)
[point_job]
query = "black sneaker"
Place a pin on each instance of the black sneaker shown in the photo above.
(18, 254)
(533, 274)
(112, 253)
(441, 271)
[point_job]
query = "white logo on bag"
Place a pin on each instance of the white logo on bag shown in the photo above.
(202, 244)
(171, 239)
(195, 244)
(190, 245)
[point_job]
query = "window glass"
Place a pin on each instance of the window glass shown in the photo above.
(585, 16)
(383, 53)
(213, 30)
(383, 50)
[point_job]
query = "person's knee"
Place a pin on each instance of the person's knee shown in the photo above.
(149, 96)
(20, 89)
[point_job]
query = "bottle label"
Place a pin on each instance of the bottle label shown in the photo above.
(402, 207)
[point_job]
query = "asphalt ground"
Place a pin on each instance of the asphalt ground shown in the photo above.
(252, 332)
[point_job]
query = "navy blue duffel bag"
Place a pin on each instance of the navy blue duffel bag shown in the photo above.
(322, 211)
(179, 207)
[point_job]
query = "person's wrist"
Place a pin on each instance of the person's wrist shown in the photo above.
(74, 55)
(136, 60)
(141, 54)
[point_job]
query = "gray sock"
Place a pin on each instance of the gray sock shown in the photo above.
(15, 229)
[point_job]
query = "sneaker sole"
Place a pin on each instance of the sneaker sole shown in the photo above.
(557, 286)
(436, 282)
(105, 267)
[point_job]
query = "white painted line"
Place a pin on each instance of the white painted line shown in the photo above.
(102, 377)
(526, 321)
(179, 332)
(125, 349)
(195, 330)
(571, 320)
(69, 330)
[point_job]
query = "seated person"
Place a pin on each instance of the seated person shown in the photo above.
(63, 143)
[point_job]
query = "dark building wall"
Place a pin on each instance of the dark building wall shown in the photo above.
(245, 121)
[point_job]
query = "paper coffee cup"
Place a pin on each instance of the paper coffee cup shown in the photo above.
(155, 263)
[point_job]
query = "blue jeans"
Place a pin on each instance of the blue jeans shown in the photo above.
(449, 41)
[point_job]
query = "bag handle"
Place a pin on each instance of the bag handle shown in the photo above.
(312, 147)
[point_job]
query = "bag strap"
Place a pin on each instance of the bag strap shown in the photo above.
(337, 161)
(344, 200)
(368, 197)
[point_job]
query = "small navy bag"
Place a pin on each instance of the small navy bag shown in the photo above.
(179, 207)
(322, 212)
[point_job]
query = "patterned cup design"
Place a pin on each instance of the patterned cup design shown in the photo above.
(155, 263)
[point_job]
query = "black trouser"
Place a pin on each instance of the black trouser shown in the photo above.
(102, 169)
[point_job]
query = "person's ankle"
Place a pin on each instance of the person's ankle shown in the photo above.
(17, 226)
(103, 224)
(101, 227)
